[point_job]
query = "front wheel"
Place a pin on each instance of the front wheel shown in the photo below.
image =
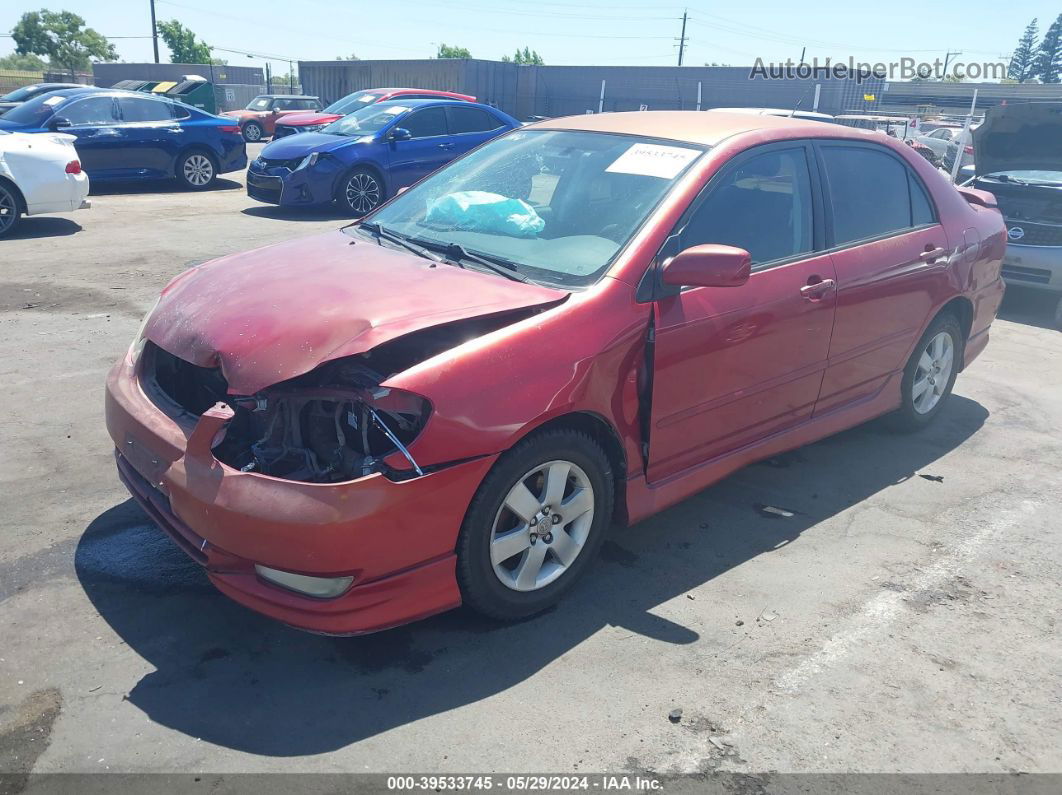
(359, 192)
(535, 524)
(252, 132)
(196, 170)
(930, 374)
(10, 212)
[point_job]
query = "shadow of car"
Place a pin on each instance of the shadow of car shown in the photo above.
(239, 680)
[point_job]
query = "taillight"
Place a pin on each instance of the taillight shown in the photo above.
(73, 167)
(230, 128)
(968, 149)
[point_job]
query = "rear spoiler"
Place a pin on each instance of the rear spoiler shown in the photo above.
(981, 198)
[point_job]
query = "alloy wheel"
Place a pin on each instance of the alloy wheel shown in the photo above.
(198, 170)
(933, 372)
(252, 132)
(8, 210)
(362, 192)
(542, 526)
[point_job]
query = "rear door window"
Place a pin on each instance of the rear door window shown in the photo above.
(135, 109)
(471, 120)
(869, 192)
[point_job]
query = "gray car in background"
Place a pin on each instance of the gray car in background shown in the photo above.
(1019, 159)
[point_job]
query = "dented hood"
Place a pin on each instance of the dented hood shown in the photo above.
(268, 315)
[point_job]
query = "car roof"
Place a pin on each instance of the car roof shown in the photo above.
(691, 126)
(70, 92)
(416, 103)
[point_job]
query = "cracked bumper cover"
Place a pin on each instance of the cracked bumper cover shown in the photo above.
(395, 538)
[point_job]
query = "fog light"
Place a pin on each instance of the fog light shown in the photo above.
(319, 587)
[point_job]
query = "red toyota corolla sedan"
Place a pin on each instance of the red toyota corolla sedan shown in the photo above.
(579, 323)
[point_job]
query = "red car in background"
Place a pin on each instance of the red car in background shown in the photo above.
(259, 118)
(312, 122)
(577, 324)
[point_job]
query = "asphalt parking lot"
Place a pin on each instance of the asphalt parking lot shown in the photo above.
(903, 618)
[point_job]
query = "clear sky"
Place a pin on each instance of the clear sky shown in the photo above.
(583, 32)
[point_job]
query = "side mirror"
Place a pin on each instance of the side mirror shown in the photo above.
(400, 134)
(710, 265)
(58, 123)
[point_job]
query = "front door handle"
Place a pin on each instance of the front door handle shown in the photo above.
(816, 291)
(446, 146)
(933, 254)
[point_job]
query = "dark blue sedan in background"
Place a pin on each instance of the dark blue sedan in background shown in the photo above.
(366, 157)
(123, 135)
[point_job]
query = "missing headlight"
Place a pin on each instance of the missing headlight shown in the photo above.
(333, 424)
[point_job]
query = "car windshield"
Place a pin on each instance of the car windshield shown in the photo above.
(20, 94)
(259, 103)
(1026, 177)
(556, 206)
(352, 102)
(367, 120)
(34, 112)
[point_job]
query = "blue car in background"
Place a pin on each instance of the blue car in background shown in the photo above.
(368, 156)
(124, 135)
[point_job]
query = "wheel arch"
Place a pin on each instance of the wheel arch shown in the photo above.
(962, 308)
(20, 200)
(368, 165)
(196, 147)
(605, 434)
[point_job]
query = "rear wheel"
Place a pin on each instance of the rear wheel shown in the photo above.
(535, 524)
(196, 170)
(252, 132)
(359, 192)
(930, 374)
(10, 209)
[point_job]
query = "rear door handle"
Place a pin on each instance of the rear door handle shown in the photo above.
(932, 254)
(817, 290)
(446, 146)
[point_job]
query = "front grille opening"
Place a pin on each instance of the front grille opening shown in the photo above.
(191, 387)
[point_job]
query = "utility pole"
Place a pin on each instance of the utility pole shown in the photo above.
(682, 38)
(154, 32)
(947, 57)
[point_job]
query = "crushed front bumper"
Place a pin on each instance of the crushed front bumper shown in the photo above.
(304, 187)
(396, 539)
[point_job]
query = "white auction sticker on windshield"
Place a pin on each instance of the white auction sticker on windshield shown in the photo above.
(653, 160)
(54, 100)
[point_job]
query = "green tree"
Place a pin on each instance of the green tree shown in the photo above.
(1023, 61)
(184, 48)
(446, 51)
(351, 57)
(23, 63)
(63, 37)
(525, 56)
(1049, 56)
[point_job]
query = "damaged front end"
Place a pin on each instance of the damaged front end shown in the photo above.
(335, 423)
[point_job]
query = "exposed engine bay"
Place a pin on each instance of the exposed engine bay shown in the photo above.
(332, 424)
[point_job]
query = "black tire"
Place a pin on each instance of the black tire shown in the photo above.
(253, 132)
(196, 170)
(10, 208)
(481, 588)
(360, 191)
(909, 417)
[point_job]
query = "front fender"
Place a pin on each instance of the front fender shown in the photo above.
(585, 355)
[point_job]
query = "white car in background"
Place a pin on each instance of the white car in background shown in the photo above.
(39, 173)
